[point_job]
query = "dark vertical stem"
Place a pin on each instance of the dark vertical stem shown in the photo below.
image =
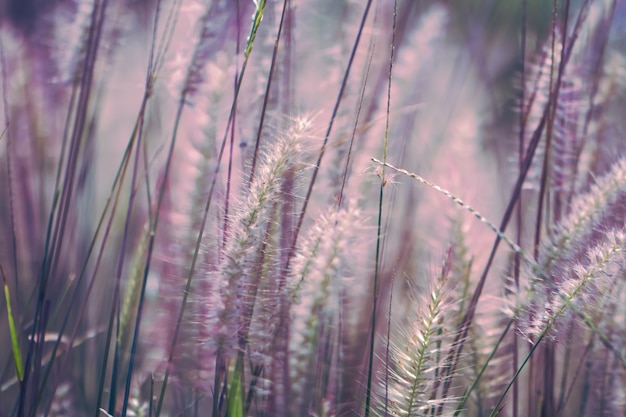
(287, 80)
(545, 362)
(379, 240)
(555, 85)
(520, 153)
(266, 96)
(232, 132)
(218, 382)
(344, 179)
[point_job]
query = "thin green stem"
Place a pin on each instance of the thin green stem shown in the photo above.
(379, 239)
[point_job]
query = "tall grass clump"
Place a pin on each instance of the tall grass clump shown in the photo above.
(233, 208)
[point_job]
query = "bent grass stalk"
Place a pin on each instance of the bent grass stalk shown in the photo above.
(514, 247)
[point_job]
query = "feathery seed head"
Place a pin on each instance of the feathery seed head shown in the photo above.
(583, 289)
(247, 261)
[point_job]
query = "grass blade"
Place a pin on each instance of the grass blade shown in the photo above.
(15, 344)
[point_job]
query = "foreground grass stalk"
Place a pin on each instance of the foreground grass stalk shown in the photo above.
(378, 261)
